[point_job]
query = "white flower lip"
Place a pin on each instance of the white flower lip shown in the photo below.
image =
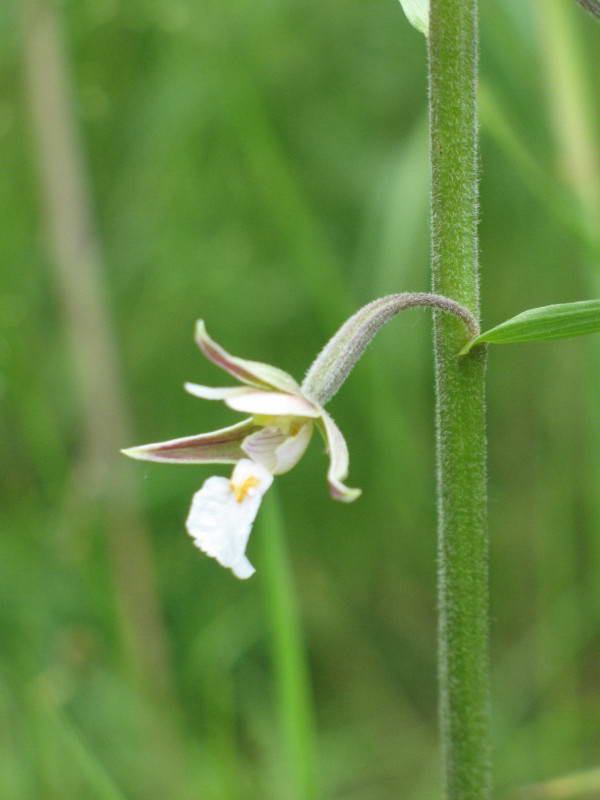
(223, 511)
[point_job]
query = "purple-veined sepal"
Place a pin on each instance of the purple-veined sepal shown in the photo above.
(253, 373)
(223, 446)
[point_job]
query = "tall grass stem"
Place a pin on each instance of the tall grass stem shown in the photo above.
(75, 255)
(293, 691)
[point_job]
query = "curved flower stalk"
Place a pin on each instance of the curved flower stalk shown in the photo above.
(282, 416)
(268, 442)
(337, 359)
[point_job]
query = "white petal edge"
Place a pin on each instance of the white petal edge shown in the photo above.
(223, 511)
(272, 404)
(214, 392)
(339, 461)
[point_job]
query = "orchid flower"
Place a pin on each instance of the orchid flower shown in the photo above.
(270, 441)
(282, 416)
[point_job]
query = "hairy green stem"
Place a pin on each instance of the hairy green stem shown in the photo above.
(460, 410)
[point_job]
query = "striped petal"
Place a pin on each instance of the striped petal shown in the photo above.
(292, 449)
(253, 373)
(276, 450)
(338, 461)
(262, 445)
(217, 447)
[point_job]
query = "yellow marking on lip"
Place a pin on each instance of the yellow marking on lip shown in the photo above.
(240, 491)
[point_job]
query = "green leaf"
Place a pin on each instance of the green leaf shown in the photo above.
(417, 12)
(540, 324)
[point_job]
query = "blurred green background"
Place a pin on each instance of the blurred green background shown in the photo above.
(263, 165)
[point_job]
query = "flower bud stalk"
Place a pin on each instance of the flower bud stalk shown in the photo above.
(335, 362)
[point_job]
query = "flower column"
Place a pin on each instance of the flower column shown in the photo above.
(461, 444)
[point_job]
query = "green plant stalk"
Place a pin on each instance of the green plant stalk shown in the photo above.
(460, 408)
(294, 700)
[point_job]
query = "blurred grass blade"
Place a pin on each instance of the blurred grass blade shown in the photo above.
(559, 199)
(100, 783)
(291, 670)
(559, 321)
(75, 254)
(568, 787)
(570, 105)
(99, 480)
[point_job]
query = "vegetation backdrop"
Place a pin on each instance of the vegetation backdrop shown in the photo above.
(264, 166)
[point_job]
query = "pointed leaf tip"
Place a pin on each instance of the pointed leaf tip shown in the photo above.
(417, 13)
(559, 321)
